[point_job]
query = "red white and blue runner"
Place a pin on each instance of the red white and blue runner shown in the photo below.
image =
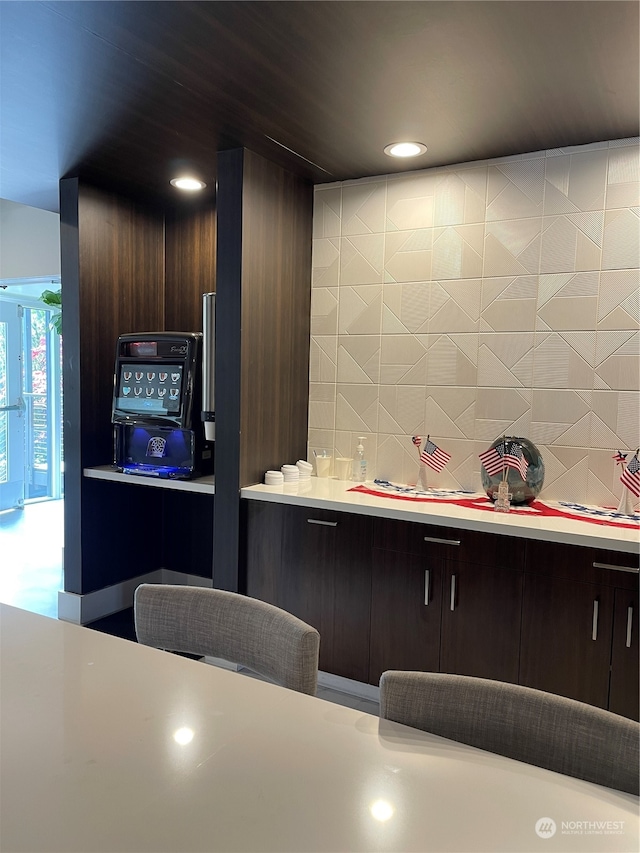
(472, 500)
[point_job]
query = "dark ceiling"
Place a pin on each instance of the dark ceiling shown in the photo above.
(126, 91)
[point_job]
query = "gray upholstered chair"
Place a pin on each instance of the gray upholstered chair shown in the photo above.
(529, 725)
(239, 629)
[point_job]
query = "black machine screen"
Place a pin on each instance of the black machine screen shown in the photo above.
(148, 389)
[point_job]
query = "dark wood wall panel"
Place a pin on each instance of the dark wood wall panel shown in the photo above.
(112, 252)
(190, 263)
(121, 290)
(276, 297)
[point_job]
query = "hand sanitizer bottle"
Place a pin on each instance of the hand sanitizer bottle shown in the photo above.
(360, 474)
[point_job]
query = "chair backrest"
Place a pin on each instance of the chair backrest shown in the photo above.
(243, 630)
(529, 725)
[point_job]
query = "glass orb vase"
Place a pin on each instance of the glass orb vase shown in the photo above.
(522, 491)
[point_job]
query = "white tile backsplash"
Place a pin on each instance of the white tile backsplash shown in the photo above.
(482, 298)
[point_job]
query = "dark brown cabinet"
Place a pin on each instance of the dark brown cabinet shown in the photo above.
(405, 613)
(624, 687)
(389, 594)
(445, 600)
(579, 612)
(322, 574)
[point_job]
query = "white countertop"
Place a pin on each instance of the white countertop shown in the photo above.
(90, 763)
(332, 494)
(203, 485)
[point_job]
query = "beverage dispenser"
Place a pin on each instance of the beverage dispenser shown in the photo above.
(157, 404)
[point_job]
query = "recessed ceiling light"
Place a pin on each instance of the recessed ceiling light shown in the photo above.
(405, 149)
(188, 183)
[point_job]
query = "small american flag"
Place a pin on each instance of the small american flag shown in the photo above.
(515, 459)
(631, 476)
(620, 457)
(493, 459)
(434, 456)
(417, 440)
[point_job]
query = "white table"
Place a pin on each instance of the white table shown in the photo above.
(90, 762)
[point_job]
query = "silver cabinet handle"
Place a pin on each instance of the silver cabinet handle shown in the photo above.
(441, 541)
(426, 587)
(615, 568)
(594, 621)
(323, 523)
(453, 592)
(629, 624)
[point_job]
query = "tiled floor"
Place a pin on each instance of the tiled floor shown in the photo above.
(31, 541)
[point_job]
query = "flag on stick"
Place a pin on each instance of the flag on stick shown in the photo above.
(434, 456)
(620, 457)
(631, 476)
(493, 459)
(515, 459)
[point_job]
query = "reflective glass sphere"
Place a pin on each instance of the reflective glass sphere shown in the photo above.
(522, 491)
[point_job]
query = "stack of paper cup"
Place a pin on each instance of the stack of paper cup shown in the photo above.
(290, 473)
(273, 478)
(305, 469)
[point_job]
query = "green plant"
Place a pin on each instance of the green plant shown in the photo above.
(53, 298)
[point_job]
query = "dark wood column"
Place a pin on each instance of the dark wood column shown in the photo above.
(112, 255)
(264, 216)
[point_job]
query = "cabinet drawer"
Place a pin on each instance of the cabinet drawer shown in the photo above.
(587, 565)
(463, 546)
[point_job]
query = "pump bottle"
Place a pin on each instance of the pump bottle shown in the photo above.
(360, 474)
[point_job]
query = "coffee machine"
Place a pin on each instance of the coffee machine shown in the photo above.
(157, 405)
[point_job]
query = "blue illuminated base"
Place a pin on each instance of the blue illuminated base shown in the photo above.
(165, 472)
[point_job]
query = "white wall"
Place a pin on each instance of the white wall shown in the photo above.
(477, 300)
(29, 241)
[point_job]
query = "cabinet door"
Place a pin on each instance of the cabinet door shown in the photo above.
(263, 576)
(625, 663)
(326, 559)
(566, 638)
(481, 612)
(405, 613)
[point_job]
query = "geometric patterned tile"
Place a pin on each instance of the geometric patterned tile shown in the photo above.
(324, 310)
(509, 304)
(452, 360)
(402, 360)
(405, 307)
(454, 306)
(325, 262)
(327, 211)
(515, 190)
(361, 258)
(619, 299)
(621, 243)
(572, 242)
(363, 208)
(323, 359)
(359, 358)
(512, 247)
(403, 406)
(460, 197)
(360, 310)
(559, 360)
(568, 301)
(357, 408)
(410, 201)
(575, 183)
(482, 299)
(505, 360)
(407, 255)
(457, 251)
(623, 178)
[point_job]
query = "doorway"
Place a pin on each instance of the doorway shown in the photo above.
(31, 456)
(31, 462)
